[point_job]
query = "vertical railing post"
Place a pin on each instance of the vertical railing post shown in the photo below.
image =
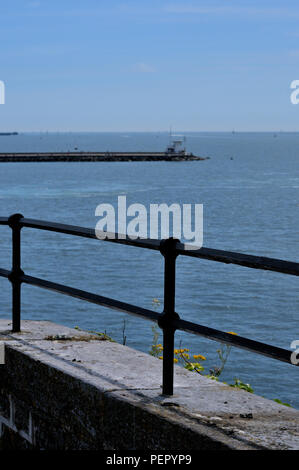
(16, 272)
(167, 249)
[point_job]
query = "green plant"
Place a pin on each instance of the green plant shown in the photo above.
(156, 349)
(124, 336)
(194, 362)
(183, 357)
(102, 336)
(242, 386)
(281, 402)
(223, 353)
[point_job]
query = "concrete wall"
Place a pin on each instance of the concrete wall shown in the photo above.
(63, 389)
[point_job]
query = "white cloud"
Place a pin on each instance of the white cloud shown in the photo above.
(33, 4)
(268, 12)
(144, 68)
(294, 53)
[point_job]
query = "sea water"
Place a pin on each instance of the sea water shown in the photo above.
(249, 191)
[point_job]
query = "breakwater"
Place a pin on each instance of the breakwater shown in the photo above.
(95, 157)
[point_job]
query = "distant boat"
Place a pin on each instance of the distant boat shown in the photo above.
(8, 133)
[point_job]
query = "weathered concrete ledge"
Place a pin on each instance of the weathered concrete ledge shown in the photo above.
(63, 389)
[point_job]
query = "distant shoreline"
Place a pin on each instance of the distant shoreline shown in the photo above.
(95, 157)
(155, 132)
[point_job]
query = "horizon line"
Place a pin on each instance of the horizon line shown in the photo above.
(233, 131)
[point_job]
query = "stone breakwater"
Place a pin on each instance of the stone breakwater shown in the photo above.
(96, 157)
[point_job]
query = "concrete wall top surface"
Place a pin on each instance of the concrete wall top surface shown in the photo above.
(235, 418)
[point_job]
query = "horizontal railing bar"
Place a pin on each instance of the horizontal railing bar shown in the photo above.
(183, 325)
(89, 233)
(92, 298)
(235, 340)
(59, 228)
(250, 261)
(169, 321)
(211, 333)
(4, 273)
(227, 257)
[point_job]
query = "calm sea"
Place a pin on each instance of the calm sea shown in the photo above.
(249, 189)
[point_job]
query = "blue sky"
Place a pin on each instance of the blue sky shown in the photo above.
(99, 65)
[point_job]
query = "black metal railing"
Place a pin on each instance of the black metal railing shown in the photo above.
(169, 321)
